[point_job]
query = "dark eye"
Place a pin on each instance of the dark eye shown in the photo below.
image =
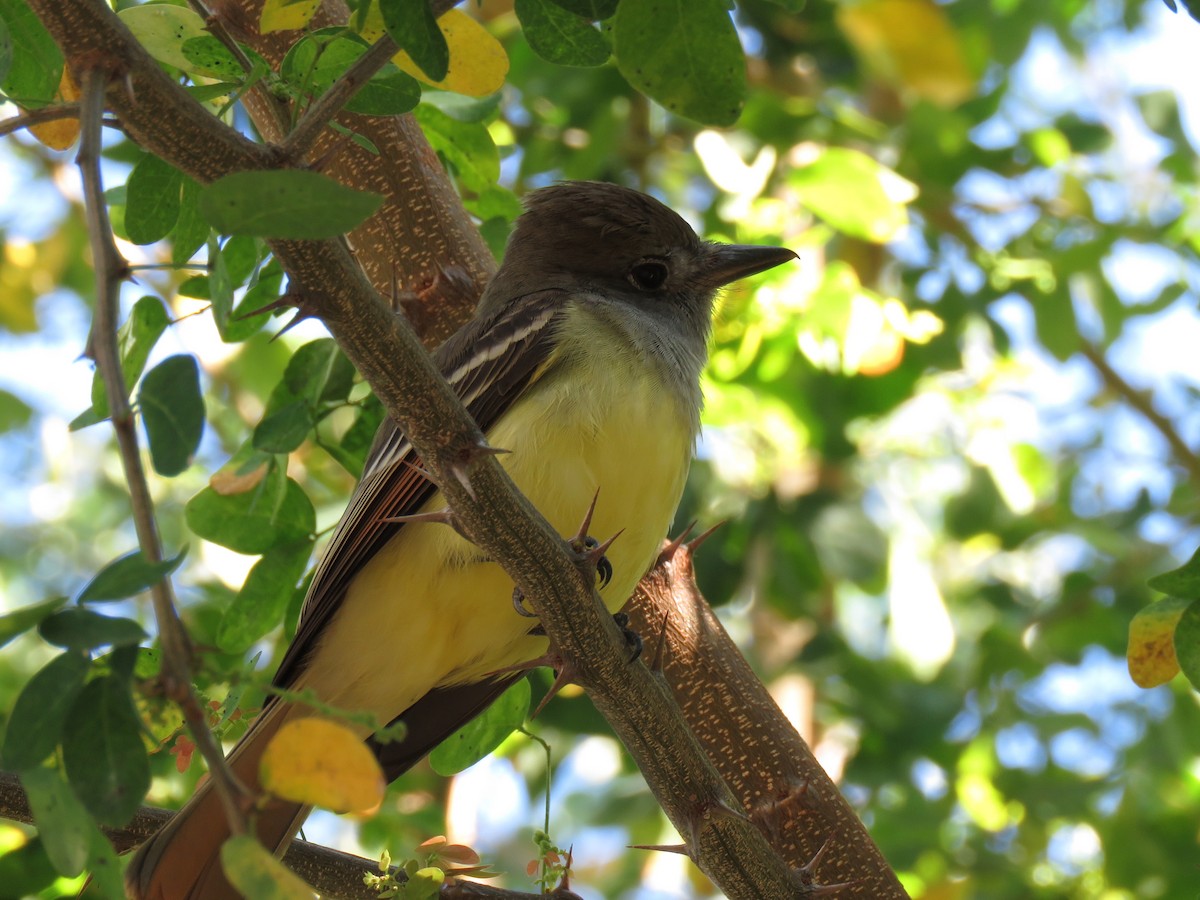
(649, 274)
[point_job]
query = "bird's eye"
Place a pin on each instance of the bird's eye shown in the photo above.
(649, 274)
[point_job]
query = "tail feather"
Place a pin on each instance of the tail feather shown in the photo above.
(182, 860)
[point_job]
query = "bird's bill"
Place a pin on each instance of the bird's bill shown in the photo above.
(729, 262)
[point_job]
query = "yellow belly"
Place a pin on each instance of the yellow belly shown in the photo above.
(429, 611)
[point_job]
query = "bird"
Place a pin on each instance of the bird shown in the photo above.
(583, 361)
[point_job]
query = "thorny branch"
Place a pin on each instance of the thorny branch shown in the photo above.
(111, 269)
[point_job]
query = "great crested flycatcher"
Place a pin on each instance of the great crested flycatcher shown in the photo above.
(583, 360)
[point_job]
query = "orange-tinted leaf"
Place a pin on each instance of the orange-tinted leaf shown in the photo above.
(323, 763)
(478, 63)
(61, 133)
(1151, 654)
(231, 481)
(459, 854)
(911, 43)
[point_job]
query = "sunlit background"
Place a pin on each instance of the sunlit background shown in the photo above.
(941, 509)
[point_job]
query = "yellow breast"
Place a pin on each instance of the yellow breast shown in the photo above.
(428, 610)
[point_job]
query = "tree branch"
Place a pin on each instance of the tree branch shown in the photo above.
(721, 838)
(38, 116)
(331, 872)
(1143, 404)
(111, 269)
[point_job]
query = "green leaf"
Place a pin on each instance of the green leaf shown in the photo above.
(152, 200)
(103, 753)
(1182, 582)
(136, 338)
(592, 10)
(255, 521)
(36, 67)
(413, 27)
(854, 193)
(685, 56)
(172, 410)
(260, 604)
(559, 36)
(319, 372)
(285, 429)
(63, 823)
(245, 321)
(162, 29)
(462, 107)
(207, 56)
(104, 868)
(84, 629)
(287, 204)
(27, 869)
(41, 709)
(315, 62)
(128, 575)
(467, 146)
(190, 231)
(14, 412)
(1187, 643)
(5, 65)
(483, 734)
(252, 869)
(21, 620)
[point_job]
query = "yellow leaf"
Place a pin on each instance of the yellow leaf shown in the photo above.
(321, 762)
(286, 15)
(478, 62)
(1151, 653)
(913, 43)
(258, 874)
(61, 133)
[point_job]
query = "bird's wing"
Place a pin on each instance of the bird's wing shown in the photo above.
(489, 363)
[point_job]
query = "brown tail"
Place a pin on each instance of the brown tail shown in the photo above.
(182, 860)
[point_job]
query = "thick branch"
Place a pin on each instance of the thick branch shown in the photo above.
(333, 873)
(762, 758)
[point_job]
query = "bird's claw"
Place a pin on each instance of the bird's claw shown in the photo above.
(632, 639)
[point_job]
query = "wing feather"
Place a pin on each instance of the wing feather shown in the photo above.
(489, 363)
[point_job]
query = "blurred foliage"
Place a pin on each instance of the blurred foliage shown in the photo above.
(941, 513)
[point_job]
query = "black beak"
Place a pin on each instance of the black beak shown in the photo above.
(727, 263)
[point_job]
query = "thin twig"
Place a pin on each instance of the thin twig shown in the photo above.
(1141, 402)
(111, 269)
(217, 29)
(330, 103)
(38, 117)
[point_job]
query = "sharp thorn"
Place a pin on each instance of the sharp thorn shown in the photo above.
(808, 867)
(441, 517)
(296, 320)
(423, 472)
(462, 477)
(668, 552)
(562, 677)
(826, 890)
(694, 544)
(587, 517)
(660, 652)
(681, 849)
(597, 552)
